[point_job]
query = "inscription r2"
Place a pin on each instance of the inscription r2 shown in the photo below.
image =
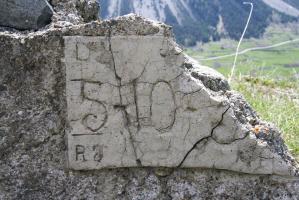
(96, 151)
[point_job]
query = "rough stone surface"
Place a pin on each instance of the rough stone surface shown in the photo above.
(37, 89)
(89, 9)
(25, 14)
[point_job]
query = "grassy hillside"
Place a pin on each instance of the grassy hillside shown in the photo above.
(269, 79)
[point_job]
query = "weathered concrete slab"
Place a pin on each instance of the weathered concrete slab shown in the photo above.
(25, 14)
(132, 103)
(34, 124)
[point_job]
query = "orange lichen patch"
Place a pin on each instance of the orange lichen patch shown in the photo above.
(260, 129)
(256, 129)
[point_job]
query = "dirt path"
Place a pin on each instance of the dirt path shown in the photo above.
(251, 49)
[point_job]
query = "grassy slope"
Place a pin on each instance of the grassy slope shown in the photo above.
(267, 78)
(276, 104)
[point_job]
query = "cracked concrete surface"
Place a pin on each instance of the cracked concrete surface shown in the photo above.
(40, 81)
(147, 104)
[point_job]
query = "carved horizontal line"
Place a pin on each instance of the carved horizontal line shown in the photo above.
(75, 135)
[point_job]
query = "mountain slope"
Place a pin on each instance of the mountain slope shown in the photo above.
(202, 20)
(294, 3)
(283, 7)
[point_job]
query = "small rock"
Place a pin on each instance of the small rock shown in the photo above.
(25, 14)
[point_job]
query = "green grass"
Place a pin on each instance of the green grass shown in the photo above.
(267, 78)
(274, 103)
(275, 63)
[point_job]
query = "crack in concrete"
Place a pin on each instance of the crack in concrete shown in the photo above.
(189, 127)
(189, 93)
(136, 104)
(233, 141)
(126, 115)
(125, 149)
(202, 139)
(93, 82)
